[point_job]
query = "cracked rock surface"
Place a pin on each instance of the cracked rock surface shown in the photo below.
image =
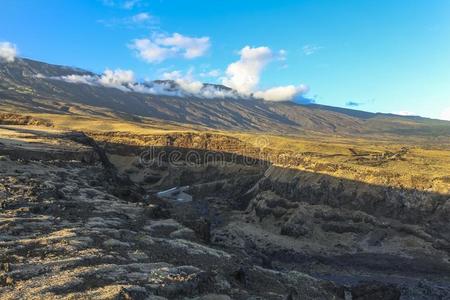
(64, 234)
(81, 222)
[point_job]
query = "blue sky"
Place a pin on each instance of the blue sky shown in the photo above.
(374, 55)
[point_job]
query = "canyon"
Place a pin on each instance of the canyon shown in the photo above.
(81, 218)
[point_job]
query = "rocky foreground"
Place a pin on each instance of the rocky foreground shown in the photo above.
(80, 219)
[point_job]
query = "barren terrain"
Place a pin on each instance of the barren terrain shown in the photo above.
(270, 217)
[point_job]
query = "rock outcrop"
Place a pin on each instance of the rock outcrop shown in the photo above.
(76, 228)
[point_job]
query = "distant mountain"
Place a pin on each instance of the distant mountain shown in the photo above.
(32, 86)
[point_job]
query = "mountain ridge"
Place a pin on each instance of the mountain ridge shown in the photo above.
(32, 86)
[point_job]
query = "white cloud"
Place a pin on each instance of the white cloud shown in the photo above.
(142, 20)
(162, 47)
(117, 78)
(282, 93)
(192, 87)
(85, 79)
(156, 89)
(445, 114)
(130, 4)
(141, 17)
(244, 75)
(172, 75)
(211, 92)
(189, 46)
(8, 51)
(150, 51)
(186, 82)
(311, 49)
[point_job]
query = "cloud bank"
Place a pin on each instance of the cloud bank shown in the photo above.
(174, 84)
(241, 78)
(162, 47)
(8, 52)
(119, 79)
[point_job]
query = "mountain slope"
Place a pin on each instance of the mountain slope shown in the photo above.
(31, 86)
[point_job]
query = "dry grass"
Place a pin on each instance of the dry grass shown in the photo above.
(424, 166)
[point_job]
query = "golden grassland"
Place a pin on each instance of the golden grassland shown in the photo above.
(410, 162)
(423, 167)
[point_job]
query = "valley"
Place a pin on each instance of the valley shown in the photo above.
(318, 219)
